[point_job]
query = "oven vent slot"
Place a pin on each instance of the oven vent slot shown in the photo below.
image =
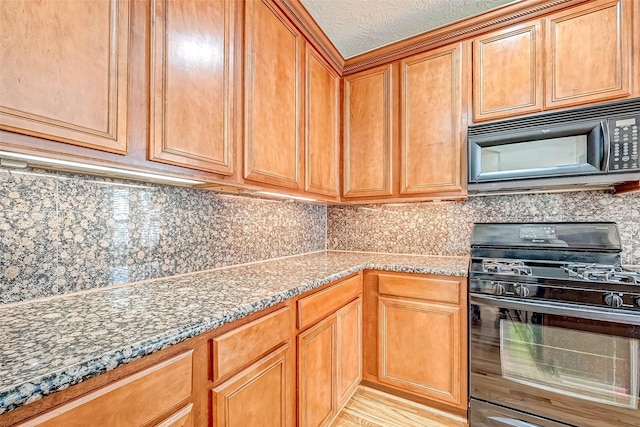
(597, 112)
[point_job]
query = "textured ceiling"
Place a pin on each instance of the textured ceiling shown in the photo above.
(357, 26)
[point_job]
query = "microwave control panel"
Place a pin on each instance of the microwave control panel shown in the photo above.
(623, 133)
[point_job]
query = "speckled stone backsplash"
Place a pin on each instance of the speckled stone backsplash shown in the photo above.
(62, 233)
(445, 228)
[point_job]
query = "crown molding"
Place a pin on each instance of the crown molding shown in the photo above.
(509, 14)
(301, 18)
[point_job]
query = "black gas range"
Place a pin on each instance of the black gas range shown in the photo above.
(554, 327)
(572, 263)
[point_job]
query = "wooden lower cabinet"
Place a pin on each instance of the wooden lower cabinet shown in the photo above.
(139, 399)
(329, 365)
(316, 367)
(258, 396)
(416, 337)
(348, 350)
(419, 347)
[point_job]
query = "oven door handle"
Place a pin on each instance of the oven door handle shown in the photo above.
(513, 422)
(583, 312)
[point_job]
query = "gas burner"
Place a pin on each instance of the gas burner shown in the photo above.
(601, 273)
(505, 266)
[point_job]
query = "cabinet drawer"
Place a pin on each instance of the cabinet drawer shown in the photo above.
(131, 401)
(322, 303)
(436, 288)
(239, 347)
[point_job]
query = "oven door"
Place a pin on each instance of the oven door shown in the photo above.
(570, 364)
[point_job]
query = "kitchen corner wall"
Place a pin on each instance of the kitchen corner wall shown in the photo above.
(62, 233)
(445, 228)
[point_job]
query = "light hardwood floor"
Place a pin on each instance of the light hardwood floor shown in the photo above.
(372, 408)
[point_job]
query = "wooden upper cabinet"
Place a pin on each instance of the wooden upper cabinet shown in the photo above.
(431, 121)
(64, 71)
(192, 90)
(273, 49)
(368, 118)
(588, 53)
(322, 125)
(507, 72)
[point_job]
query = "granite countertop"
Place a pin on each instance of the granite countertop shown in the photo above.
(49, 345)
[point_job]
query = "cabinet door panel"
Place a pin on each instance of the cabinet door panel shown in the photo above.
(272, 67)
(368, 133)
(419, 348)
(348, 350)
(507, 72)
(316, 373)
(64, 71)
(430, 115)
(191, 84)
(588, 53)
(322, 125)
(257, 396)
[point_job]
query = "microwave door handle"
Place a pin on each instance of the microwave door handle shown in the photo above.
(606, 146)
(513, 422)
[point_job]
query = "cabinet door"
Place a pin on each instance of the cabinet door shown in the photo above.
(322, 125)
(368, 106)
(272, 104)
(316, 374)
(348, 350)
(507, 72)
(64, 71)
(588, 53)
(258, 396)
(419, 348)
(431, 120)
(192, 84)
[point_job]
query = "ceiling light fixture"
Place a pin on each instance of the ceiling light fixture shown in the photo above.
(77, 166)
(284, 196)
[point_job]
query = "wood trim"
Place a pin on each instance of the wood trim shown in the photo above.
(500, 17)
(298, 14)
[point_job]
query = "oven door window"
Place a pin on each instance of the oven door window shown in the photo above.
(591, 366)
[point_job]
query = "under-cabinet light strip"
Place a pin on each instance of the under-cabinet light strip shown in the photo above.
(285, 196)
(95, 168)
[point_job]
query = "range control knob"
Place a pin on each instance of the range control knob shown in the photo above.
(522, 291)
(637, 301)
(499, 289)
(613, 300)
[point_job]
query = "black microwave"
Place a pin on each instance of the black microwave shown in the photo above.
(589, 146)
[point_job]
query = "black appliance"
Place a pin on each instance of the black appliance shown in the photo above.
(586, 146)
(554, 332)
